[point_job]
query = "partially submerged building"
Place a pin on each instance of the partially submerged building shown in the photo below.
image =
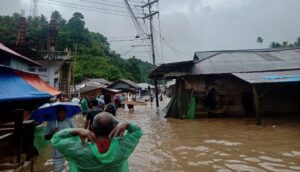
(146, 89)
(125, 86)
(93, 89)
(238, 82)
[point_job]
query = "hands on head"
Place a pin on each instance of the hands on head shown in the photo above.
(118, 131)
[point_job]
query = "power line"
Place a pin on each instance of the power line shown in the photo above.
(160, 37)
(134, 19)
(100, 3)
(129, 50)
(121, 40)
(126, 46)
(124, 40)
(86, 6)
(170, 46)
(123, 54)
(136, 1)
(121, 37)
(114, 4)
(136, 23)
(34, 8)
(139, 51)
(78, 7)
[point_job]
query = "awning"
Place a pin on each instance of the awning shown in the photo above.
(270, 77)
(20, 85)
(12, 52)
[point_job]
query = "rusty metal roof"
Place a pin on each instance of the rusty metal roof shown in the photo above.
(270, 77)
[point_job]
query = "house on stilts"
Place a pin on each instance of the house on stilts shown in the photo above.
(235, 82)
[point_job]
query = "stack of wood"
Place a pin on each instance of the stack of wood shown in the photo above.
(17, 146)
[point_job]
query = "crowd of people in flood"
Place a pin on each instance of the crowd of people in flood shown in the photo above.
(102, 144)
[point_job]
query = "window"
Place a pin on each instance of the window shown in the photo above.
(31, 69)
(5, 61)
(42, 69)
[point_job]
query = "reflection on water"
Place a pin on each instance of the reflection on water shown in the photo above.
(222, 144)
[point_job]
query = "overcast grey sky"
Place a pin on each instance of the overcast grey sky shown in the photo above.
(186, 25)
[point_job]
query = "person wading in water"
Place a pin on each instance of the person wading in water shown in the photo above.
(108, 148)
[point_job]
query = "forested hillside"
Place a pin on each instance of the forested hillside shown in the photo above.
(94, 56)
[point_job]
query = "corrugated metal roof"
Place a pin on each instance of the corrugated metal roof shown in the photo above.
(133, 84)
(247, 61)
(270, 77)
(232, 61)
(204, 55)
(144, 86)
(25, 51)
(99, 80)
(89, 86)
(12, 52)
(128, 82)
(180, 68)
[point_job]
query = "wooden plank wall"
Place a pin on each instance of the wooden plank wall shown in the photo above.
(276, 98)
(230, 91)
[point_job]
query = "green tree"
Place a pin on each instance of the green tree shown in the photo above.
(58, 18)
(94, 56)
(285, 44)
(260, 40)
(9, 28)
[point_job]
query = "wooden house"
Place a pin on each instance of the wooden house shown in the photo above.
(235, 82)
(125, 85)
(93, 89)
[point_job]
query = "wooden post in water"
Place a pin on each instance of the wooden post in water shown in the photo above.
(18, 114)
(257, 107)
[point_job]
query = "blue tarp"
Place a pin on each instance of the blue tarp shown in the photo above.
(13, 87)
(283, 76)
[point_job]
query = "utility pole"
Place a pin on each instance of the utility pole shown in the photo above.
(150, 17)
(34, 8)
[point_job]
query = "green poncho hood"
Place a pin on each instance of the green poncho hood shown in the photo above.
(87, 158)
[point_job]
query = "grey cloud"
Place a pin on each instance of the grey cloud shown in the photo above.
(193, 25)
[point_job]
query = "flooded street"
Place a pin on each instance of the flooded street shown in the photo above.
(211, 144)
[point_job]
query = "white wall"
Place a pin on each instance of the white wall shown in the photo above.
(52, 73)
(17, 64)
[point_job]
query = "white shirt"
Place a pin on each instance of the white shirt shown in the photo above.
(129, 98)
(75, 100)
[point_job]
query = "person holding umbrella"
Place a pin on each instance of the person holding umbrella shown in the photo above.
(61, 122)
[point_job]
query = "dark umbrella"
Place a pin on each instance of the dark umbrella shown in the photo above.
(47, 112)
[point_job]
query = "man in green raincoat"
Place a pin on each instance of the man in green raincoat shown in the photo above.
(108, 149)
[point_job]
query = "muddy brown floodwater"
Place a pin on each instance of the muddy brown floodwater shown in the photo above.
(211, 144)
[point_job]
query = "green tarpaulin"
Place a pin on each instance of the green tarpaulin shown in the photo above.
(39, 138)
(192, 107)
